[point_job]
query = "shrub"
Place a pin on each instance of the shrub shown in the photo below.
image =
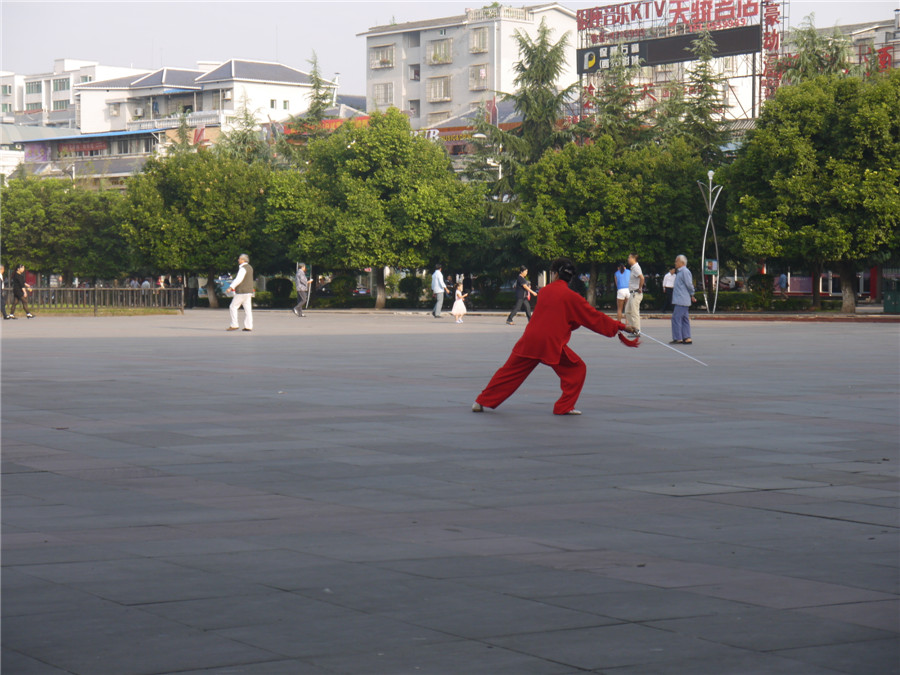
(762, 286)
(412, 286)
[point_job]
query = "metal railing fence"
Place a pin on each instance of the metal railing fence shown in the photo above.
(101, 298)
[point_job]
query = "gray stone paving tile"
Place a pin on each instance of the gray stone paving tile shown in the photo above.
(604, 648)
(440, 659)
(767, 630)
(738, 663)
(20, 664)
(642, 604)
(348, 632)
(884, 614)
(113, 640)
(875, 656)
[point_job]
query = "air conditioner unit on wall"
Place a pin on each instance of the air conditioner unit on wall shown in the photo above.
(138, 112)
(228, 95)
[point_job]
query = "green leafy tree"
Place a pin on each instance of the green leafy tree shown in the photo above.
(705, 104)
(815, 53)
(244, 140)
(56, 226)
(371, 196)
(615, 109)
(819, 179)
(195, 211)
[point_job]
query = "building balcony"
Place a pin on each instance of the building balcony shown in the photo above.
(203, 118)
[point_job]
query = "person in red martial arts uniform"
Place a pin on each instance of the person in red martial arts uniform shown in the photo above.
(559, 311)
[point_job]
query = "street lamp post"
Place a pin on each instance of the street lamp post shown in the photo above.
(710, 194)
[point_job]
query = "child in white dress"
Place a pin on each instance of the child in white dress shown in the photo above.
(459, 307)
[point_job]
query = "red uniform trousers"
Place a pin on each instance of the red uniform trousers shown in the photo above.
(570, 369)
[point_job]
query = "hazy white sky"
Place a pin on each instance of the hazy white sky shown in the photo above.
(180, 33)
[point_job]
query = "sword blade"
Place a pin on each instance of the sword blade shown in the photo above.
(643, 334)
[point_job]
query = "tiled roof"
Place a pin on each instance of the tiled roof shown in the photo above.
(114, 83)
(416, 25)
(170, 77)
(257, 71)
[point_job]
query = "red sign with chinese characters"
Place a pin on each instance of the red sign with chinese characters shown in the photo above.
(82, 146)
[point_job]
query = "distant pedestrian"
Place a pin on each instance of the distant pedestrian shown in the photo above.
(682, 297)
(242, 287)
(20, 290)
(438, 287)
(523, 296)
(192, 293)
(459, 304)
(783, 284)
(667, 283)
(3, 293)
(302, 285)
(623, 276)
(635, 293)
(545, 340)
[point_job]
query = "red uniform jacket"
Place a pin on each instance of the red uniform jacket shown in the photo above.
(559, 311)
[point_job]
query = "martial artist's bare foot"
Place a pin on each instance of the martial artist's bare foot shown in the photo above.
(477, 407)
(573, 412)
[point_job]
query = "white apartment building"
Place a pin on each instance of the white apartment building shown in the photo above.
(211, 96)
(48, 99)
(440, 68)
(12, 95)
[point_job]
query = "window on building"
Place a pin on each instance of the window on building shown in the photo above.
(33, 88)
(7, 89)
(7, 107)
(415, 108)
(435, 117)
(286, 105)
(478, 77)
(438, 89)
(273, 103)
(413, 39)
(61, 105)
(33, 107)
(478, 40)
(440, 51)
(61, 84)
(381, 57)
(415, 71)
(85, 78)
(383, 94)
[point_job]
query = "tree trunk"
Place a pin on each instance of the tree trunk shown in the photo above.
(211, 291)
(816, 280)
(592, 286)
(848, 288)
(380, 294)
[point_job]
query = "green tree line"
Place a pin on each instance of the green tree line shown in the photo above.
(816, 184)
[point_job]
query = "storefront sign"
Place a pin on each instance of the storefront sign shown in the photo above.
(82, 146)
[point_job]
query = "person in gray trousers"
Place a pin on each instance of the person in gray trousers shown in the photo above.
(302, 289)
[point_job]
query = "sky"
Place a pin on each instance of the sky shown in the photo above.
(150, 35)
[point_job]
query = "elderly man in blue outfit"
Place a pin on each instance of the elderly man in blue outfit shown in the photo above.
(682, 297)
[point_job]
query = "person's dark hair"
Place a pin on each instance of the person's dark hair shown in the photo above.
(564, 267)
(522, 268)
(438, 266)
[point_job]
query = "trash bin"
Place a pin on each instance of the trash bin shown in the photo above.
(891, 296)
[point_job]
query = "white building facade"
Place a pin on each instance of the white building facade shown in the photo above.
(437, 69)
(48, 99)
(210, 96)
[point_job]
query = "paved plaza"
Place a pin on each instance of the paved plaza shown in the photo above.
(316, 497)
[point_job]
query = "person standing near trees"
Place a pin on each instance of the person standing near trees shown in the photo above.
(523, 295)
(438, 287)
(635, 293)
(242, 287)
(668, 283)
(622, 277)
(682, 297)
(20, 292)
(302, 284)
(2, 294)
